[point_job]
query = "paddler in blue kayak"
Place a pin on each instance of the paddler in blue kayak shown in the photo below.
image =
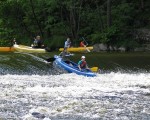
(65, 54)
(82, 63)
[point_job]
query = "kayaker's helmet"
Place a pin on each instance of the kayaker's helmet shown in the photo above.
(83, 57)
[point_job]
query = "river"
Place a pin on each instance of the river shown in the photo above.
(31, 89)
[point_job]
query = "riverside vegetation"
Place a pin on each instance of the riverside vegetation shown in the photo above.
(114, 23)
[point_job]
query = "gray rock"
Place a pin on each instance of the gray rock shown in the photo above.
(122, 49)
(139, 49)
(111, 48)
(103, 47)
(96, 48)
(100, 47)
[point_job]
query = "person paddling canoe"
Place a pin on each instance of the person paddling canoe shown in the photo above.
(67, 43)
(82, 44)
(82, 64)
(38, 43)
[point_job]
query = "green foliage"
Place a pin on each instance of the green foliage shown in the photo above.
(4, 43)
(55, 20)
(56, 42)
(105, 36)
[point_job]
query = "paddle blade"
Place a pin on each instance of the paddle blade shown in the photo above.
(94, 69)
(69, 55)
(87, 49)
(50, 59)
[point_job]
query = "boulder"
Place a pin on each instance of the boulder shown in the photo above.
(100, 47)
(140, 49)
(96, 48)
(111, 48)
(103, 47)
(122, 49)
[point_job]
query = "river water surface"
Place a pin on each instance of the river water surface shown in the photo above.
(31, 89)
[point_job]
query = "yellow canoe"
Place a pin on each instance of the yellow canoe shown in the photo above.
(28, 49)
(6, 49)
(77, 49)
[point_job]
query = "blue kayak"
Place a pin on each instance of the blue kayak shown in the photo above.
(71, 67)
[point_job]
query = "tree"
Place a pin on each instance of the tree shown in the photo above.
(101, 21)
(108, 13)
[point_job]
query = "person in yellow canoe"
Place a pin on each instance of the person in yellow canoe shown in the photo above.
(82, 44)
(67, 43)
(82, 64)
(38, 43)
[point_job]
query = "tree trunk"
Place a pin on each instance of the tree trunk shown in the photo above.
(38, 24)
(142, 4)
(75, 19)
(70, 21)
(19, 19)
(109, 21)
(79, 18)
(101, 25)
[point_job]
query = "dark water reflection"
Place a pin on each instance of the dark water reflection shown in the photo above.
(18, 63)
(124, 62)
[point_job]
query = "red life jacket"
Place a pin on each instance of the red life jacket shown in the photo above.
(81, 44)
(83, 64)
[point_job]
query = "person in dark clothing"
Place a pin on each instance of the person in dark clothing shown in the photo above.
(38, 43)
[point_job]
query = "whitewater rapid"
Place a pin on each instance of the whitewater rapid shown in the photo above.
(109, 96)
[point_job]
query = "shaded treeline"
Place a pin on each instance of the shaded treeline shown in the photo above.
(101, 21)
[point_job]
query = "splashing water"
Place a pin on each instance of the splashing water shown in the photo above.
(36, 58)
(113, 96)
(24, 64)
(33, 90)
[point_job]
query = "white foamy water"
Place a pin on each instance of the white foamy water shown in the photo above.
(111, 96)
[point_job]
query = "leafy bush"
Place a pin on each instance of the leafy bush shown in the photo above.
(5, 43)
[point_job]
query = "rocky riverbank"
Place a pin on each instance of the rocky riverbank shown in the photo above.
(140, 36)
(104, 47)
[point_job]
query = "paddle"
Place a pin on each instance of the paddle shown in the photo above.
(94, 69)
(71, 54)
(51, 59)
(86, 45)
(85, 40)
(87, 49)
